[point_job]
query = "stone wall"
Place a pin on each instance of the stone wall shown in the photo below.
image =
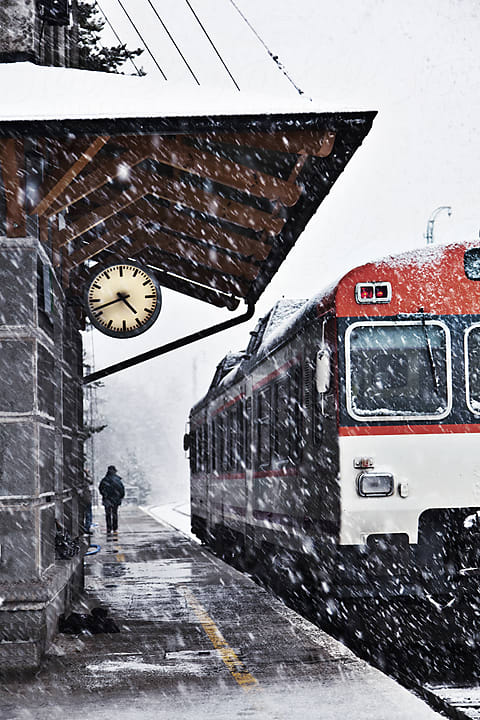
(41, 456)
(25, 36)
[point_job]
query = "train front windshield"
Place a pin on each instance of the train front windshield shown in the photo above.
(397, 369)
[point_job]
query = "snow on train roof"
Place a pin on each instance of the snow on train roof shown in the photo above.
(31, 92)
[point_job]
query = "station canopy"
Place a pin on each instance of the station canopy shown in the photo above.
(211, 200)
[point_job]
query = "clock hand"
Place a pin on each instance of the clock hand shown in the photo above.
(123, 297)
(100, 307)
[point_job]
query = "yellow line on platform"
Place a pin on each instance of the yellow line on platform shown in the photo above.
(237, 668)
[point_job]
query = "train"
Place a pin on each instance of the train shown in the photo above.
(340, 452)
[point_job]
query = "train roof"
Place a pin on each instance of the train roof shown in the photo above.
(419, 280)
(432, 278)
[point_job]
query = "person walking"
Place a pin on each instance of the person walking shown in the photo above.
(112, 492)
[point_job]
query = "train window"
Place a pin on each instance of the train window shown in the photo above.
(248, 432)
(263, 428)
(296, 414)
(281, 421)
(472, 368)
(471, 261)
(232, 439)
(203, 448)
(239, 448)
(213, 454)
(398, 370)
(193, 451)
(221, 445)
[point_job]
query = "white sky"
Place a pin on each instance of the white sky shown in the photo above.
(416, 63)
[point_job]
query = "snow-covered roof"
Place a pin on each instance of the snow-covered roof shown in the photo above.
(31, 92)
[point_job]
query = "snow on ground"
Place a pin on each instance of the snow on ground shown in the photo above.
(175, 514)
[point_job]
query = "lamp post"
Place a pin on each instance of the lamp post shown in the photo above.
(431, 222)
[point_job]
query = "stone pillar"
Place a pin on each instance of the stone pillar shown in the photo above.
(17, 36)
(37, 482)
(35, 31)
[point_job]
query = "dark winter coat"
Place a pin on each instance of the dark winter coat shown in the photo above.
(112, 490)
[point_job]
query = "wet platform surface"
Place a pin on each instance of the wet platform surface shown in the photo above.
(198, 640)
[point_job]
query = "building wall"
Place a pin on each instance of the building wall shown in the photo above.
(24, 36)
(41, 449)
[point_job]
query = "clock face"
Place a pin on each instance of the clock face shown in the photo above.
(123, 300)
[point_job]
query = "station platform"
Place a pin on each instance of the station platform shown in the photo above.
(197, 640)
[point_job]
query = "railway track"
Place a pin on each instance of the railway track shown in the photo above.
(430, 646)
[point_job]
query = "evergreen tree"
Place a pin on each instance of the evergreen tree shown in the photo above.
(134, 476)
(92, 55)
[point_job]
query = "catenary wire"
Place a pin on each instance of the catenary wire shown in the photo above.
(141, 38)
(173, 41)
(274, 57)
(116, 35)
(212, 44)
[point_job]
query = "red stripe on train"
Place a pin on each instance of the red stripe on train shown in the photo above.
(407, 430)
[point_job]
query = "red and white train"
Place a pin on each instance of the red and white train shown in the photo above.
(341, 450)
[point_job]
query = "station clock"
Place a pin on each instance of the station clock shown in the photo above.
(123, 300)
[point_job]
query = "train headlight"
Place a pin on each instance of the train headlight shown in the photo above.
(373, 292)
(375, 484)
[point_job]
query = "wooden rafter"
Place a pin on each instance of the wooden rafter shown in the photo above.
(318, 143)
(99, 215)
(116, 228)
(168, 280)
(199, 229)
(83, 157)
(189, 270)
(212, 204)
(208, 257)
(176, 192)
(12, 159)
(177, 154)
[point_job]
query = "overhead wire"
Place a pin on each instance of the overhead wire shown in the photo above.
(142, 39)
(173, 41)
(211, 43)
(116, 35)
(274, 57)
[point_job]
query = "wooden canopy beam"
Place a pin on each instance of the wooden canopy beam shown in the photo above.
(175, 192)
(199, 229)
(211, 204)
(68, 175)
(318, 143)
(186, 270)
(177, 154)
(12, 160)
(208, 257)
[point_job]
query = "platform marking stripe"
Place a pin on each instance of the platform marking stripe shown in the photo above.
(120, 557)
(238, 670)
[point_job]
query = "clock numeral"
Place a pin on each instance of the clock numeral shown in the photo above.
(147, 282)
(107, 276)
(135, 273)
(120, 270)
(150, 296)
(99, 287)
(124, 325)
(109, 324)
(138, 322)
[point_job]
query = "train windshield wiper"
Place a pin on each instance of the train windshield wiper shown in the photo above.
(431, 359)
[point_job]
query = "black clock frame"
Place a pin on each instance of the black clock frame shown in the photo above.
(123, 335)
